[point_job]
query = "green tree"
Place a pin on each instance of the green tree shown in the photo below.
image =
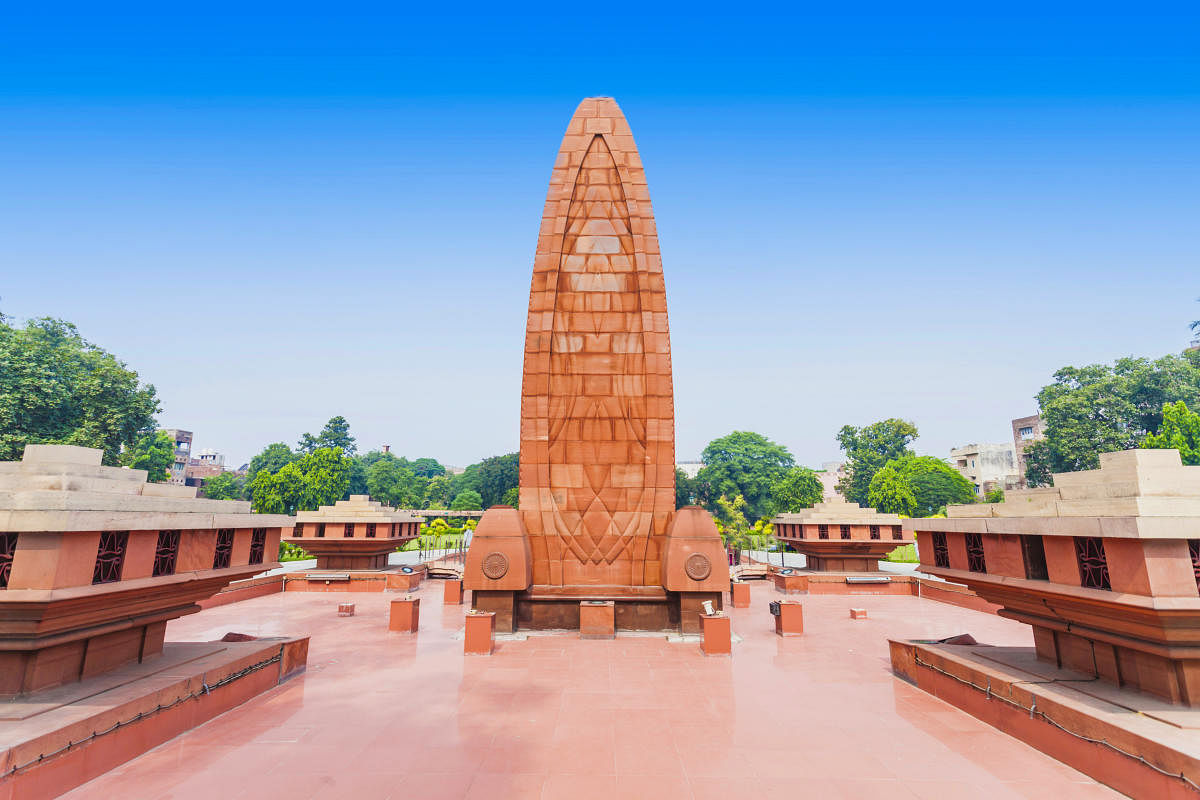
(468, 500)
(272, 459)
(389, 482)
(688, 491)
(799, 488)
(226, 486)
(438, 492)
(994, 496)
(154, 452)
(317, 479)
(58, 388)
(731, 521)
(745, 464)
(867, 449)
(428, 468)
(1101, 408)
(512, 498)
(497, 475)
(918, 486)
(1180, 430)
(334, 436)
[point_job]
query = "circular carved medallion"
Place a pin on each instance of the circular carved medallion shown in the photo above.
(697, 566)
(495, 565)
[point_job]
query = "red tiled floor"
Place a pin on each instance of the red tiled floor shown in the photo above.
(381, 715)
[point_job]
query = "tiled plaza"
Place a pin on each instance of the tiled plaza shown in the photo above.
(381, 715)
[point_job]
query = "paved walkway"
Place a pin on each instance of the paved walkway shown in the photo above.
(382, 715)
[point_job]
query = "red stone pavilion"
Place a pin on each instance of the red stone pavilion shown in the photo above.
(840, 536)
(354, 534)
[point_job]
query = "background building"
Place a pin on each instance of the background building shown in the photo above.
(183, 454)
(988, 465)
(1026, 431)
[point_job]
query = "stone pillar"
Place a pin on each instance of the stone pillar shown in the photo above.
(718, 638)
(479, 633)
(597, 619)
(790, 621)
(452, 593)
(405, 615)
(739, 594)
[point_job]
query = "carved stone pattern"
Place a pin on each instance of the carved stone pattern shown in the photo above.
(495, 565)
(897, 532)
(975, 559)
(697, 566)
(110, 556)
(844, 531)
(224, 552)
(597, 411)
(1194, 551)
(1093, 565)
(875, 532)
(941, 553)
(8, 548)
(258, 545)
(822, 531)
(165, 553)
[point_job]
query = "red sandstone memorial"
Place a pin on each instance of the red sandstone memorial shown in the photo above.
(1105, 567)
(351, 541)
(597, 519)
(94, 562)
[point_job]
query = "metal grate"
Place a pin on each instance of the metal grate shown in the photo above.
(224, 551)
(165, 553)
(1033, 550)
(370, 530)
(875, 532)
(258, 545)
(8, 548)
(897, 532)
(1193, 550)
(975, 560)
(348, 530)
(110, 557)
(822, 531)
(941, 553)
(844, 530)
(1093, 566)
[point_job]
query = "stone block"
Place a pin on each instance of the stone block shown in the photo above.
(597, 619)
(739, 594)
(717, 635)
(479, 633)
(345, 609)
(405, 615)
(790, 620)
(452, 592)
(858, 613)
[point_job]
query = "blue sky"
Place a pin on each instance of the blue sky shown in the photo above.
(296, 212)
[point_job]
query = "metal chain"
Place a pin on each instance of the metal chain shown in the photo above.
(1033, 711)
(205, 688)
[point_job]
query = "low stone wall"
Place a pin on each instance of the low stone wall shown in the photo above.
(245, 590)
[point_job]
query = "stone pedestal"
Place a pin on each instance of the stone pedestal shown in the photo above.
(452, 593)
(479, 634)
(739, 594)
(345, 609)
(401, 581)
(790, 584)
(858, 613)
(597, 619)
(405, 615)
(718, 637)
(790, 621)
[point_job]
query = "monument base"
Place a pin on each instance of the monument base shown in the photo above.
(54, 740)
(392, 579)
(635, 608)
(1135, 743)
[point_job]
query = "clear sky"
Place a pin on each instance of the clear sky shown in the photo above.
(281, 215)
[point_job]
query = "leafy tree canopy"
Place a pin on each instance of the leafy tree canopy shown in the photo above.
(1180, 430)
(226, 486)
(428, 468)
(153, 452)
(994, 496)
(918, 486)
(745, 464)
(58, 388)
(319, 478)
(272, 459)
(497, 475)
(394, 484)
(512, 498)
(438, 492)
(799, 488)
(867, 449)
(468, 500)
(335, 436)
(1101, 408)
